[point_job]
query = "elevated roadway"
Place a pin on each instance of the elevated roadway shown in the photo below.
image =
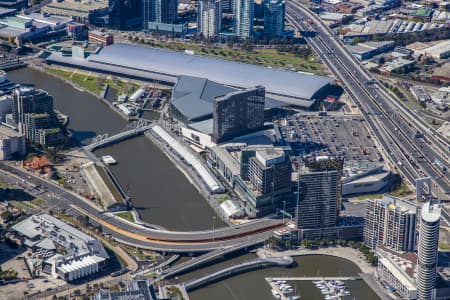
(392, 125)
(149, 238)
(284, 261)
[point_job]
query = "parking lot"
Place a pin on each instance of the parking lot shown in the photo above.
(338, 135)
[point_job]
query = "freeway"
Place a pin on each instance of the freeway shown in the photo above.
(150, 238)
(393, 126)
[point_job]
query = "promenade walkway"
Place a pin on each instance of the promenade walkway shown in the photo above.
(342, 252)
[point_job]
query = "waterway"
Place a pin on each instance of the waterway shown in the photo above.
(160, 192)
(252, 285)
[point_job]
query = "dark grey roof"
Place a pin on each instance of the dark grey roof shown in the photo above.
(163, 62)
(193, 96)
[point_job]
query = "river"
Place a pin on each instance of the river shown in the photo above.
(252, 285)
(160, 192)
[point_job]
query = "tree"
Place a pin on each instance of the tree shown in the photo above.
(7, 216)
(288, 244)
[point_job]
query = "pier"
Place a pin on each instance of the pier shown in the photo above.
(117, 138)
(316, 278)
(284, 261)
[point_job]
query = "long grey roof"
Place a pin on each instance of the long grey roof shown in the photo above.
(142, 58)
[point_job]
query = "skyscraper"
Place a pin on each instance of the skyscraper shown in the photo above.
(125, 14)
(274, 11)
(390, 222)
(317, 194)
(243, 18)
(209, 17)
(30, 101)
(160, 11)
(427, 253)
(238, 113)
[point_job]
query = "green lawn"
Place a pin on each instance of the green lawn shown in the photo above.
(443, 246)
(401, 191)
(126, 215)
(87, 82)
(38, 202)
(264, 57)
(93, 83)
(369, 197)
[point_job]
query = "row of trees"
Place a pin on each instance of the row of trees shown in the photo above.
(320, 243)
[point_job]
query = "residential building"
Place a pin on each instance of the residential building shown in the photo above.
(29, 100)
(11, 142)
(209, 18)
(316, 198)
(159, 11)
(101, 37)
(390, 222)
(264, 184)
(427, 251)
(321, 163)
(274, 11)
(238, 113)
(269, 170)
(59, 249)
(243, 18)
(35, 118)
(125, 14)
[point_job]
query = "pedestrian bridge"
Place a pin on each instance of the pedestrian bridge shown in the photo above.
(117, 138)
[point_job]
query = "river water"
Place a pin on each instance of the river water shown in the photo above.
(160, 192)
(252, 285)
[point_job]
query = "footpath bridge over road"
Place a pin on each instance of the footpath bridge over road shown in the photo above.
(284, 261)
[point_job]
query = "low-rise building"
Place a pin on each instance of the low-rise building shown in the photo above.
(88, 12)
(63, 251)
(397, 65)
(370, 49)
(398, 271)
(101, 37)
(132, 290)
(11, 142)
(420, 94)
(442, 72)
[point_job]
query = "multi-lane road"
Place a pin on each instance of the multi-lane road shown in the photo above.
(148, 237)
(394, 127)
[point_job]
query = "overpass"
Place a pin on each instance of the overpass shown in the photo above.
(284, 261)
(208, 257)
(116, 138)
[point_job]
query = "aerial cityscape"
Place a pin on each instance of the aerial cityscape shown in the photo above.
(225, 149)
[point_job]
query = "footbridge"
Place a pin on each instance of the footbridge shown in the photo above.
(284, 261)
(105, 140)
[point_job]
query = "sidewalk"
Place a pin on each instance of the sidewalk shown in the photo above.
(342, 252)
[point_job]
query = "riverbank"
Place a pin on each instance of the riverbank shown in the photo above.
(343, 252)
(348, 253)
(86, 83)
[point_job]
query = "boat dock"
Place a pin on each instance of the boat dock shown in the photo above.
(315, 278)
